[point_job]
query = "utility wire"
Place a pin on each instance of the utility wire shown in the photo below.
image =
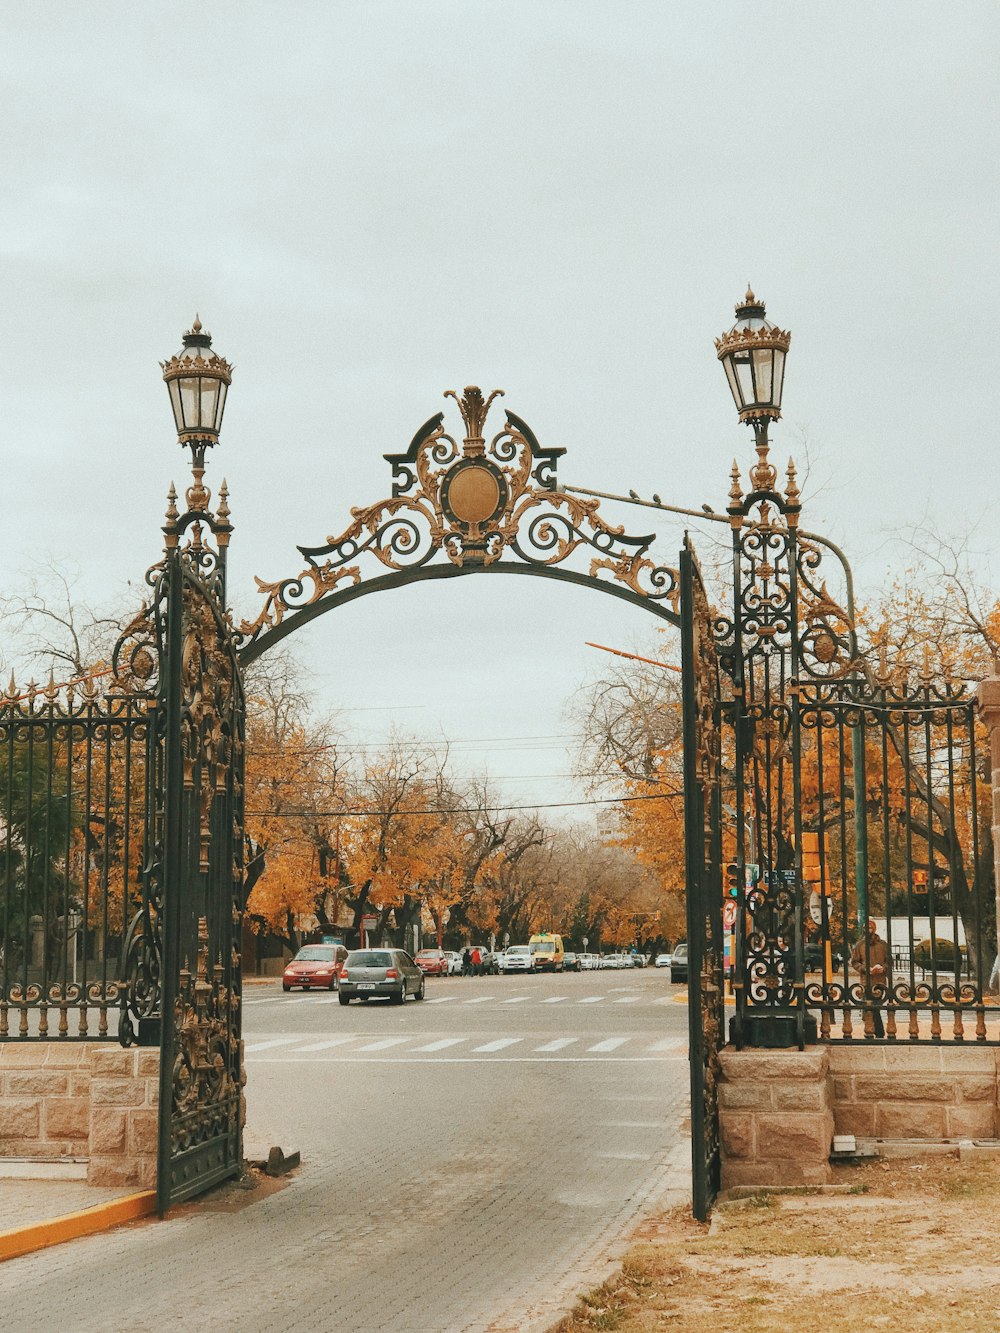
(459, 809)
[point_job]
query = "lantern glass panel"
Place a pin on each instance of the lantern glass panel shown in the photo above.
(779, 376)
(189, 401)
(763, 373)
(742, 362)
(220, 404)
(733, 383)
(209, 403)
(175, 403)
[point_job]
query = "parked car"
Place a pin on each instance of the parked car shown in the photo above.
(314, 965)
(454, 962)
(663, 960)
(366, 973)
(638, 960)
(433, 962)
(571, 962)
(518, 958)
(812, 957)
(500, 959)
(679, 963)
(589, 962)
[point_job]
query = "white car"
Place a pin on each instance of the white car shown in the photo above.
(518, 958)
(588, 962)
(663, 959)
(454, 963)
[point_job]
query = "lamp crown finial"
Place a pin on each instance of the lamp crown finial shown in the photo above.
(196, 326)
(750, 299)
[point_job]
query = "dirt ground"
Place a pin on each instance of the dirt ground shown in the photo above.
(913, 1247)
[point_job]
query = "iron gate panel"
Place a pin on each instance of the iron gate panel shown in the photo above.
(702, 707)
(201, 818)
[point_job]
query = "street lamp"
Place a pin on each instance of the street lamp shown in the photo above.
(198, 380)
(753, 356)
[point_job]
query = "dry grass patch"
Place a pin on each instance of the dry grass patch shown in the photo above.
(914, 1248)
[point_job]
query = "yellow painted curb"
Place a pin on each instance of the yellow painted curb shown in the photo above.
(102, 1217)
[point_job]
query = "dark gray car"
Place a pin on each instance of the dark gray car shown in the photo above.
(366, 973)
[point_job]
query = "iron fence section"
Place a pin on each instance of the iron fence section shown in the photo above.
(73, 816)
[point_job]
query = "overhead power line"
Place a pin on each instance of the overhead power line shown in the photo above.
(459, 809)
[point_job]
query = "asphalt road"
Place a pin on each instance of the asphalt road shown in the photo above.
(469, 1163)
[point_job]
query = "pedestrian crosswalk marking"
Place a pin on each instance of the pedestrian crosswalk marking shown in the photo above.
(611, 1044)
(517, 999)
(324, 1045)
(628, 999)
(554, 999)
(498, 1045)
(591, 999)
(443, 1044)
(383, 1044)
(559, 1044)
(266, 1045)
(479, 999)
(442, 999)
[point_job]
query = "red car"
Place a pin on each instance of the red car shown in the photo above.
(315, 965)
(432, 962)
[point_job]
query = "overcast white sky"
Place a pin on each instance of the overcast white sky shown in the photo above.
(369, 203)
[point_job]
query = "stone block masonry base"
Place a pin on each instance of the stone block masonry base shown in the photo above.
(90, 1100)
(779, 1110)
(775, 1117)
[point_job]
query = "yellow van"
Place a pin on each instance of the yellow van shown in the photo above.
(547, 951)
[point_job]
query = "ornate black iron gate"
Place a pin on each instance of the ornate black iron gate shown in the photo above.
(702, 709)
(202, 867)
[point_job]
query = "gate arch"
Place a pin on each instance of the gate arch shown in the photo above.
(482, 506)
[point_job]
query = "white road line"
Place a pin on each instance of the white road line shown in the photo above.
(517, 999)
(480, 999)
(629, 999)
(442, 1045)
(625, 1156)
(669, 1044)
(498, 1045)
(554, 999)
(559, 1044)
(266, 1045)
(591, 999)
(611, 1044)
(442, 999)
(325, 1045)
(462, 1060)
(383, 1044)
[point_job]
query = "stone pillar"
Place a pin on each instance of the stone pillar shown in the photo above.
(124, 1095)
(775, 1117)
(988, 699)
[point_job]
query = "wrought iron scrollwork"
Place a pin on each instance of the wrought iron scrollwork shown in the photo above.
(475, 504)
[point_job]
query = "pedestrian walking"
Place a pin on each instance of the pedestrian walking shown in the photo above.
(477, 962)
(870, 958)
(467, 962)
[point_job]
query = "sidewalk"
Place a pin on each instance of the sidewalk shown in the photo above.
(901, 1244)
(35, 1214)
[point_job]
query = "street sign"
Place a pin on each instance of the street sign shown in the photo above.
(729, 913)
(585, 943)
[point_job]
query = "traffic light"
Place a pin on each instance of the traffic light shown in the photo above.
(733, 879)
(811, 868)
(920, 882)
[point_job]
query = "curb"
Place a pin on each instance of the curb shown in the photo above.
(85, 1222)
